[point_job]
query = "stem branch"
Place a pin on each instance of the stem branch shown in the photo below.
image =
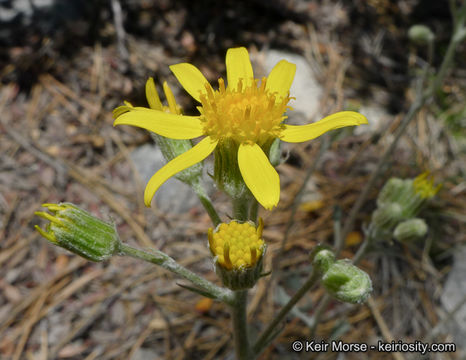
(159, 258)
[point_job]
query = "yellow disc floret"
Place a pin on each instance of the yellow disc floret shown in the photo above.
(237, 245)
(246, 114)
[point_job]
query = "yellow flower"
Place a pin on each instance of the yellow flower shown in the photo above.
(237, 245)
(247, 112)
(424, 186)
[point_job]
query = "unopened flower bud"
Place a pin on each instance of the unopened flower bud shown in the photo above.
(238, 249)
(390, 191)
(80, 232)
(410, 230)
(387, 216)
(420, 34)
(346, 282)
(322, 259)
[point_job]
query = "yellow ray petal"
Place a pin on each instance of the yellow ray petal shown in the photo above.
(280, 78)
(162, 123)
(259, 175)
(121, 110)
(152, 95)
(293, 133)
(170, 99)
(238, 67)
(192, 156)
(191, 79)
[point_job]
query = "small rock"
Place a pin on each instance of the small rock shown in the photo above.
(305, 88)
(173, 196)
(377, 119)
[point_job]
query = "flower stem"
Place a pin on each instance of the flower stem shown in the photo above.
(159, 258)
(269, 333)
(253, 211)
(240, 326)
(205, 200)
(240, 209)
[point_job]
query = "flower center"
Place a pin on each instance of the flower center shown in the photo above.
(237, 245)
(246, 114)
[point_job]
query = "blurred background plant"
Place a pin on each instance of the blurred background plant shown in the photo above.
(65, 66)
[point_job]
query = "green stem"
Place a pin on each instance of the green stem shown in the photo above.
(253, 211)
(269, 333)
(205, 200)
(240, 209)
(159, 258)
(240, 326)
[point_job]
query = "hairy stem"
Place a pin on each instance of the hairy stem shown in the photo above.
(240, 326)
(159, 258)
(205, 200)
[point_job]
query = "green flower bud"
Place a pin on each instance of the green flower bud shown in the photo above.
(346, 282)
(410, 230)
(322, 259)
(420, 34)
(387, 216)
(80, 232)
(390, 191)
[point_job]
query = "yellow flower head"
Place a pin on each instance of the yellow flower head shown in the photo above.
(247, 112)
(424, 186)
(237, 245)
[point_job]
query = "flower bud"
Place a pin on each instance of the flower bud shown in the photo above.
(322, 259)
(387, 216)
(390, 191)
(410, 230)
(238, 250)
(346, 282)
(420, 34)
(80, 232)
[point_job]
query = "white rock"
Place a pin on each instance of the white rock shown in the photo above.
(173, 196)
(377, 117)
(305, 87)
